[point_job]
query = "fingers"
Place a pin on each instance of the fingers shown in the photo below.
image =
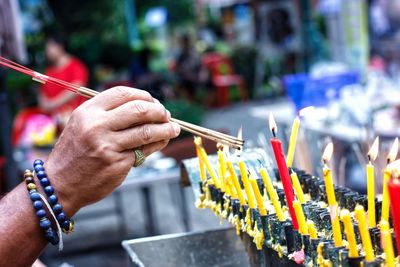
(137, 112)
(119, 95)
(147, 151)
(151, 148)
(145, 134)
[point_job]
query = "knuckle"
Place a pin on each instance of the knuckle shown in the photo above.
(103, 151)
(146, 133)
(122, 91)
(140, 107)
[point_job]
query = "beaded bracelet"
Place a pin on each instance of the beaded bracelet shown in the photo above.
(67, 225)
(44, 223)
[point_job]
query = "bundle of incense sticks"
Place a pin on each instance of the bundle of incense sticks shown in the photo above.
(335, 225)
(228, 140)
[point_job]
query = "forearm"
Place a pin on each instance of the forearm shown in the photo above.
(22, 240)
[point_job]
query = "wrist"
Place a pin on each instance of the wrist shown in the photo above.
(64, 193)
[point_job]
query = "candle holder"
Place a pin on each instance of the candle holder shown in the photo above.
(334, 254)
(344, 257)
(376, 263)
(313, 247)
(289, 236)
(266, 228)
(375, 234)
(355, 261)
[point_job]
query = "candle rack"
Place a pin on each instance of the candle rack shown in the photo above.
(281, 244)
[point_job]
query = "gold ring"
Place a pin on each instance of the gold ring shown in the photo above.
(139, 157)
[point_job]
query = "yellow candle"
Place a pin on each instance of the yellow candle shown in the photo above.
(222, 168)
(246, 184)
(258, 196)
(387, 244)
(371, 194)
(297, 187)
(330, 193)
(300, 217)
(329, 188)
(365, 237)
(210, 169)
(312, 230)
(337, 233)
(230, 186)
(292, 142)
(201, 166)
(385, 195)
(386, 177)
(349, 231)
(236, 184)
(272, 194)
(372, 153)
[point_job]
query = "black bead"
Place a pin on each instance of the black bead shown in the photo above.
(29, 180)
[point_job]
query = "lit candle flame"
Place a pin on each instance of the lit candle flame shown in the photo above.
(395, 167)
(328, 152)
(197, 140)
(373, 151)
(272, 124)
(393, 151)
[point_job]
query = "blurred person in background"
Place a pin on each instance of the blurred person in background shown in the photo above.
(142, 77)
(55, 100)
(189, 69)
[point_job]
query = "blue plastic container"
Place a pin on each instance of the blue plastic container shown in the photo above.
(305, 91)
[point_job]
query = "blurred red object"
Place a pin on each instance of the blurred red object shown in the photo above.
(394, 193)
(223, 77)
(20, 121)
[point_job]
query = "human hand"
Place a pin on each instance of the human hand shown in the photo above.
(95, 151)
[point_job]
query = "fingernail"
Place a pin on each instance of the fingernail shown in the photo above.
(168, 114)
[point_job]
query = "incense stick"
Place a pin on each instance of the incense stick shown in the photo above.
(89, 93)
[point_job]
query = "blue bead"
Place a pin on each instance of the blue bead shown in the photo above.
(53, 199)
(34, 196)
(38, 168)
(65, 224)
(51, 236)
(38, 204)
(49, 190)
(61, 217)
(44, 182)
(38, 162)
(45, 224)
(41, 174)
(57, 208)
(41, 213)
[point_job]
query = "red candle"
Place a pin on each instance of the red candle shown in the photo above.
(394, 193)
(283, 171)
